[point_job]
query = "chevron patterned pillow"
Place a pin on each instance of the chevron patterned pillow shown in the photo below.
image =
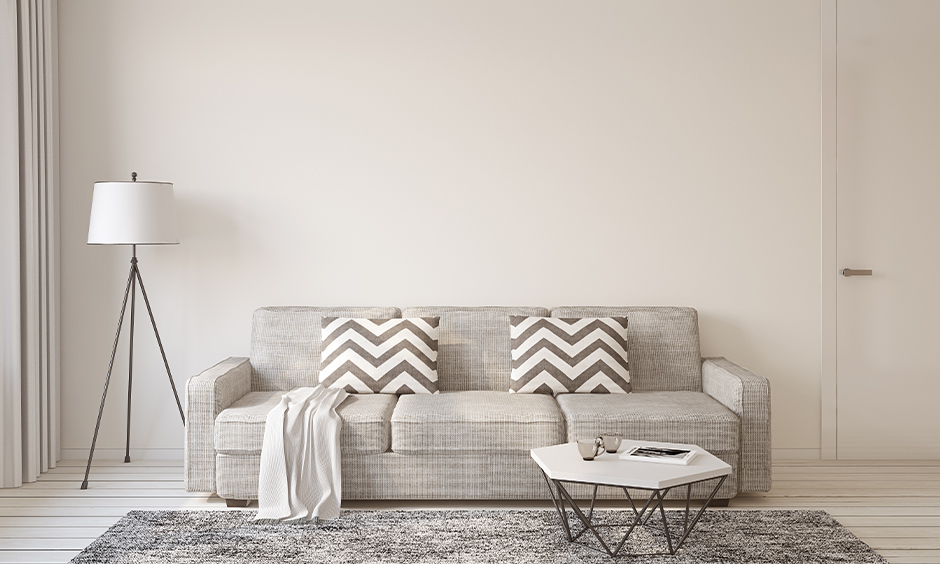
(551, 355)
(380, 356)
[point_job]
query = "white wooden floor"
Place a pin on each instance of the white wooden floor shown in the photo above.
(893, 506)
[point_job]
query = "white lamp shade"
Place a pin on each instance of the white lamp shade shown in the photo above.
(132, 213)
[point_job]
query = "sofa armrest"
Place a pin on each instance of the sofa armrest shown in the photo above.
(748, 396)
(207, 394)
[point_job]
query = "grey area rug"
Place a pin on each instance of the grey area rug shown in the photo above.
(472, 536)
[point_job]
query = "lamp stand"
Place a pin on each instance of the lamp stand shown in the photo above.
(133, 279)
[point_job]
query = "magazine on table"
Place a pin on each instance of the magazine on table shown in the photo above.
(659, 454)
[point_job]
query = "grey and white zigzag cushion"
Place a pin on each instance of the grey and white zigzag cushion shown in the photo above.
(381, 356)
(553, 355)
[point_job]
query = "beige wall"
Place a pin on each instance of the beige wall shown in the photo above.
(469, 152)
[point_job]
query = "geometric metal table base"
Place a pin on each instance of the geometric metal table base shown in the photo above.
(641, 516)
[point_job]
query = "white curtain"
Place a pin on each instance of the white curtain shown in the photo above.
(29, 224)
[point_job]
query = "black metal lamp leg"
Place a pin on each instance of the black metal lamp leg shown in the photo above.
(143, 292)
(130, 359)
(107, 380)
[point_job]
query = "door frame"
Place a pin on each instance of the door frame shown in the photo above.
(829, 266)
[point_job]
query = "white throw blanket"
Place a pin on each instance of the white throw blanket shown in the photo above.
(300, 458)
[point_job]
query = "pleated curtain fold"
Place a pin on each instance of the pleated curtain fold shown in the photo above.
(29, 224)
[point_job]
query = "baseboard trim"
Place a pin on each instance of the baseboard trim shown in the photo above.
(118, 454)
(795, 453)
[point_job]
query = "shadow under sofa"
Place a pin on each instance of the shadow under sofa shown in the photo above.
(472, 440)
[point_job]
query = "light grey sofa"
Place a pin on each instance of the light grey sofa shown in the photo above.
(472, 440)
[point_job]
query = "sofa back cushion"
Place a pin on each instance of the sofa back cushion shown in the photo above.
(662, 342)
(474, 345)
(285, 343)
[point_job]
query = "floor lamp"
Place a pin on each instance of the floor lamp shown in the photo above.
(131, 213)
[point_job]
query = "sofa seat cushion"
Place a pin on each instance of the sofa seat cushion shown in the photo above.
(366, 425)
(675, 417)
(475, 421)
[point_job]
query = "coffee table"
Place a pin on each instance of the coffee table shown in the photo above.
(561, 464)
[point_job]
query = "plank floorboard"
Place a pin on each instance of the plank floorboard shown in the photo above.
(890, 521)
(910, 543)
(46, 543)
(897, 532)
(51, 532)
(894, 506)
(911, 556)
(37, 556)
(122, 469)
(132, 500)
(101, 463)
(101, 492)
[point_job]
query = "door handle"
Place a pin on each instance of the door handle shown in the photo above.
(852, 272)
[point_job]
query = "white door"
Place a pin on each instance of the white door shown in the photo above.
(888, 384)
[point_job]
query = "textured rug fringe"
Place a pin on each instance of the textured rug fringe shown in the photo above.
(299, 521)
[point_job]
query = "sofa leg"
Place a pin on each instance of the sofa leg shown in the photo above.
(719, 503)
(237, 502)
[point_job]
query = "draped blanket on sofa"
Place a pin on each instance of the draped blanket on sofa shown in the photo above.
(300, 475)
